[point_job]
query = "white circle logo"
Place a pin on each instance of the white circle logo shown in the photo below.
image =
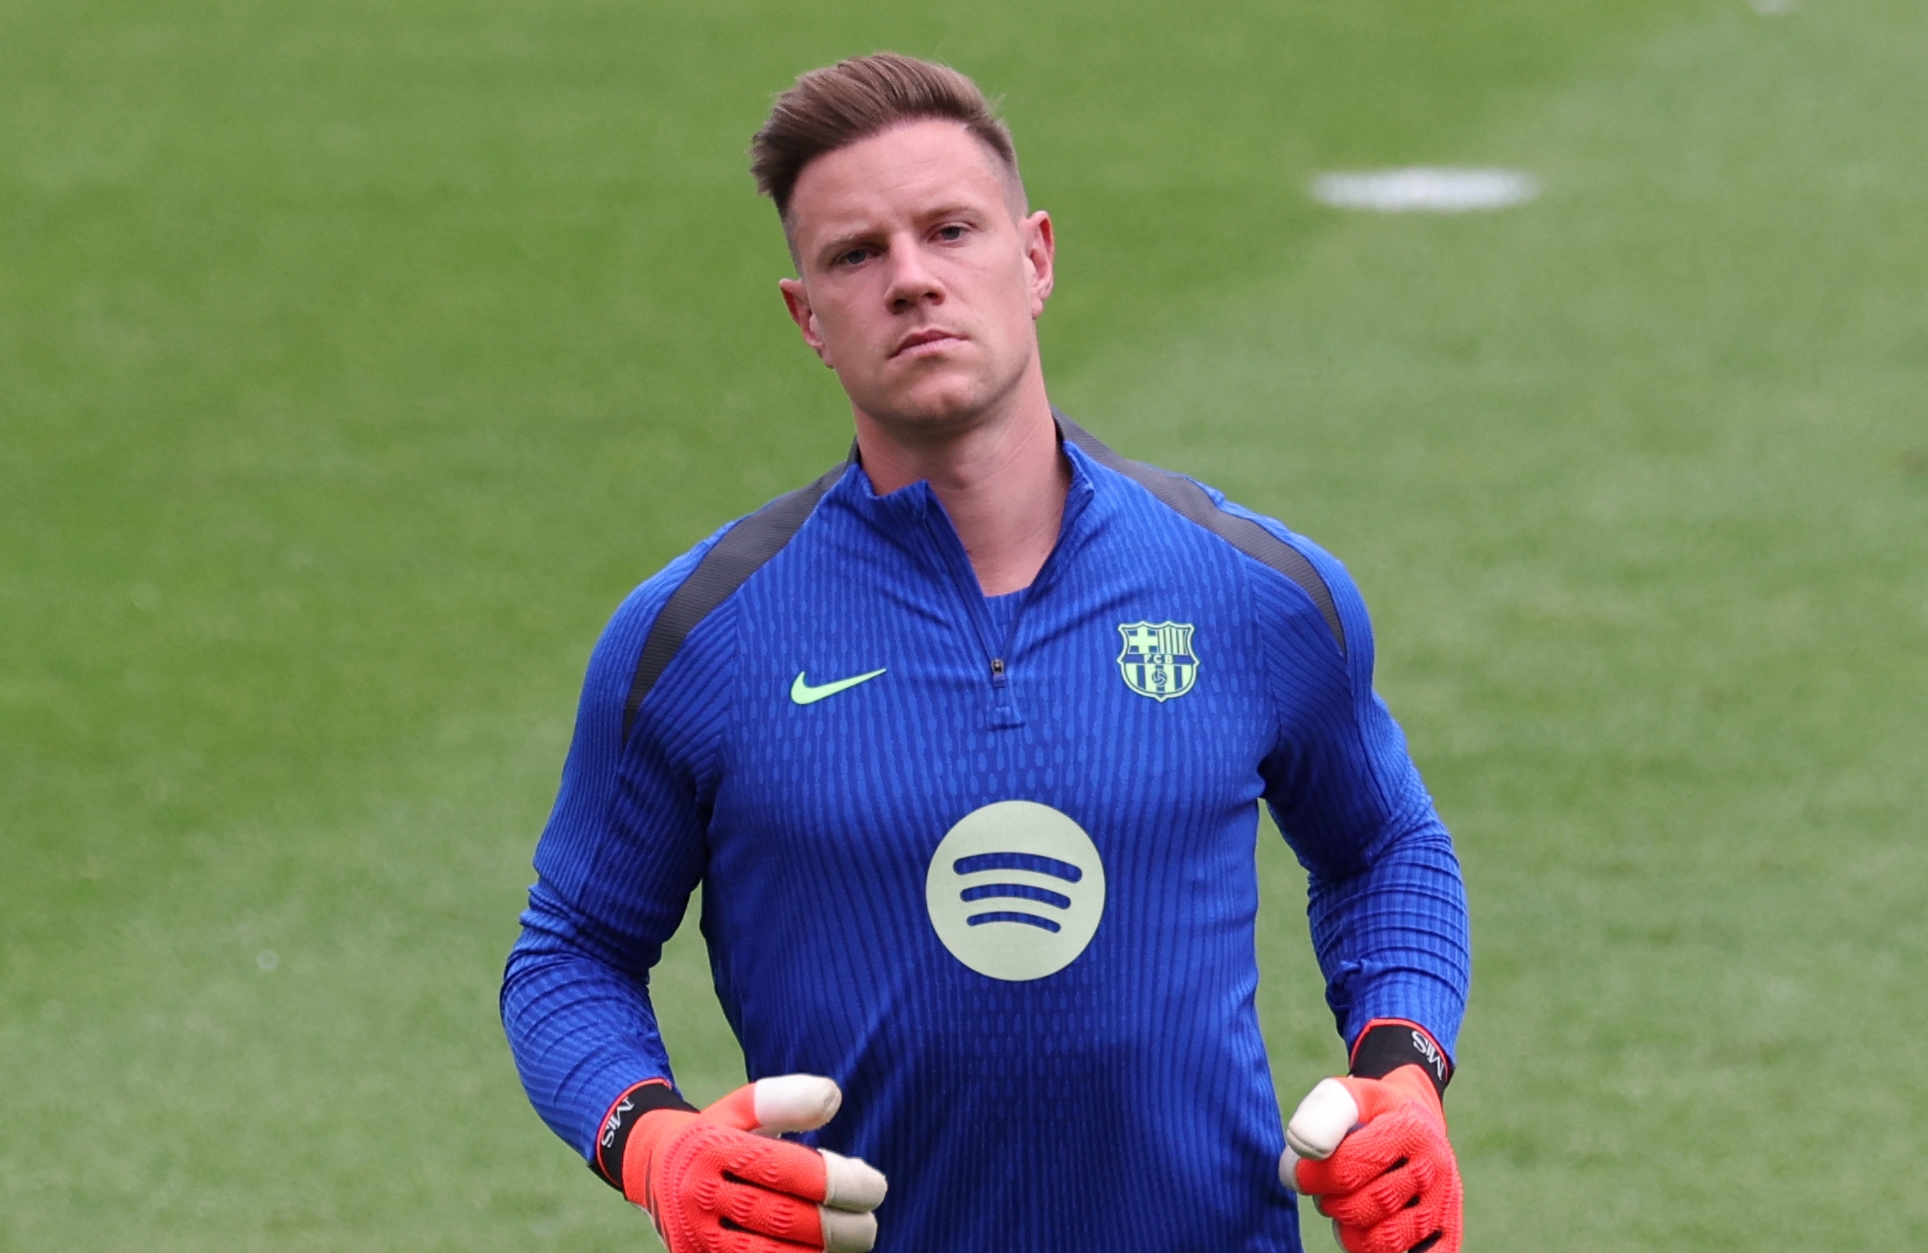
(1015, 890)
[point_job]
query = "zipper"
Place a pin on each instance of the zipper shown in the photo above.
(1003, 711)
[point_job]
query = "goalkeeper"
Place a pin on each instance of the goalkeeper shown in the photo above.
(965, 743)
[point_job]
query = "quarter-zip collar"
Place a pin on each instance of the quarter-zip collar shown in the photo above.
(914, 520)
(914, 516)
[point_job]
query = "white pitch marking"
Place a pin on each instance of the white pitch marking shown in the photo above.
(1771, 7)
(1426, 189)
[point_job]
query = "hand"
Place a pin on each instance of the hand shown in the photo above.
(712, 1186)
(1373, 1156)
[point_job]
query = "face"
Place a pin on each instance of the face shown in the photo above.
(921, 280)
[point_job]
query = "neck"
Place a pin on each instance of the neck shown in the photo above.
(1001, 479)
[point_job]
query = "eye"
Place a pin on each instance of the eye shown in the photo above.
(951, 232)
(853, 256)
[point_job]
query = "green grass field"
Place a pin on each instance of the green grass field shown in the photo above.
(356, 359)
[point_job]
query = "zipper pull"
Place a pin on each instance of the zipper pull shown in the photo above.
(997, 667)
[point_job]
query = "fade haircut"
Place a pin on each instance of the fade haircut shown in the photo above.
(839, 105)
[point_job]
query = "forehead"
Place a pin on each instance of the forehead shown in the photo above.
(905, 170)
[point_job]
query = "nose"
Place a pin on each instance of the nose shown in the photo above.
(912, 282)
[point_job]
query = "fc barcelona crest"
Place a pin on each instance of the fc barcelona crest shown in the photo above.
(1157, 660)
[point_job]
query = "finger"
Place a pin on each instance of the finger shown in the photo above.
(779, 1166)
(844, 1232)
(724, 1240)
(775, 1214)
(1313, 1178)
(791, 1223)
(850, 1183)
(795, 1102)
(1403, 1233)
(1395, 1192)
(779, 1104)
(1358, 1209)
(1369, 1153)
(1322, 1120)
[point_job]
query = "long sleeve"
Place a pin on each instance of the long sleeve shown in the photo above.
(1385, 897)
(622, 851)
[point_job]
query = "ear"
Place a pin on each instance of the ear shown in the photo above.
(1040, 257)
(796, 298)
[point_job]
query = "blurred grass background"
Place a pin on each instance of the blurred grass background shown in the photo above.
(355, 359)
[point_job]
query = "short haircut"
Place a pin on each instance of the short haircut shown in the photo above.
(839, 105)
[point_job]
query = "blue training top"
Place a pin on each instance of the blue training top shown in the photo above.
(989, 864)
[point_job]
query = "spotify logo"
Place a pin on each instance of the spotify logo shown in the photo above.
(1015, 890)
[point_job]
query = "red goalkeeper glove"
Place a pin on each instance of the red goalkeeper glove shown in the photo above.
(1372, 1152)
(719, 1181)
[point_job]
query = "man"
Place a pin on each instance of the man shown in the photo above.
(965, 742)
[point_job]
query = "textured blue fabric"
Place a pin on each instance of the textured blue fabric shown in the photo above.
(1122, 1103)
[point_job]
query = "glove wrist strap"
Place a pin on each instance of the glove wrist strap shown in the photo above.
(624, 1113)
(1389, 1043)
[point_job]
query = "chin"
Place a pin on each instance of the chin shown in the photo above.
(946, 405)
(935, 420)
(954, 398)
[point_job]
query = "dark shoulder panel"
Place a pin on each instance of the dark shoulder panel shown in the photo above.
(738, 555)
(1189, 500)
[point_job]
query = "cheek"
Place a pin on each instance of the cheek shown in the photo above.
(1017, 307)
(836, 325)
(855, 305)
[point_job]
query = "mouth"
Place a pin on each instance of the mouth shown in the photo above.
(932, 339)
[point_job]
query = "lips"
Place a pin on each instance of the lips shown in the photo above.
(918, 339)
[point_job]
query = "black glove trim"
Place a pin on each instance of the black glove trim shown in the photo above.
(624, 1113)
(1389, 1043)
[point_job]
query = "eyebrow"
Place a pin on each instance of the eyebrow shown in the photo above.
(834, 247)
(839, 243)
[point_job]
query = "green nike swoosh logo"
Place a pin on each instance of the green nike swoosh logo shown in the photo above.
(804, 694)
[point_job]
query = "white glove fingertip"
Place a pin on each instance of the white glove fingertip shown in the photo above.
(850, 1183)
(796, 1102)
(845, 1232)
(1322, 1120)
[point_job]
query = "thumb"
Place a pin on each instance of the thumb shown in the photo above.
(776, 1105)
(1328, 1114)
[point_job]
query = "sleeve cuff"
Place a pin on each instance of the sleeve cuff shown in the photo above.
(1389, 1043)
(624, 1113)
